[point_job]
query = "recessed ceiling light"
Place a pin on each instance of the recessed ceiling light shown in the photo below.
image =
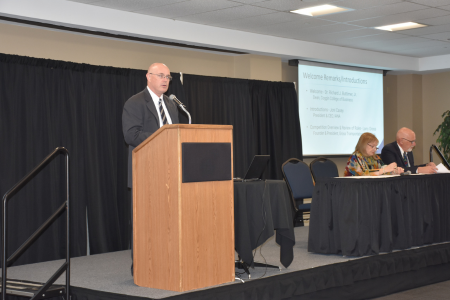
(320, 10)
(401, 26)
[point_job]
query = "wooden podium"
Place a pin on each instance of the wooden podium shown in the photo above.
(183, 232)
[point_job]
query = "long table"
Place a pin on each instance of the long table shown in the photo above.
(260, 207)
(357, 217)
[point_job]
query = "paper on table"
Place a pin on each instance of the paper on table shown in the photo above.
(378, 176)
(442, 169)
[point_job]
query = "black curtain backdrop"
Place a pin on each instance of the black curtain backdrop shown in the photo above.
(45, 104)
(225, 101)
(264, 116)
(276, 124)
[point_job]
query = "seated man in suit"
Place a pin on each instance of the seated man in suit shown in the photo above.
(400, 152)
(146, 112)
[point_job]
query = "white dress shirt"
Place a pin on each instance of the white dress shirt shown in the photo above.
(155, 99)
(401, 152)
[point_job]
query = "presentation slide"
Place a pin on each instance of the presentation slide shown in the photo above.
(336, 106)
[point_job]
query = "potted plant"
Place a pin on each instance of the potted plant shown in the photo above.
(444, 135)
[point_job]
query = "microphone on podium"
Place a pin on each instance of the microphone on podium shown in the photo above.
(174, 98)
(181, 105)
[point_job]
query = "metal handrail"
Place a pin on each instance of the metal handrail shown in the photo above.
(65, 206)
(440, 155)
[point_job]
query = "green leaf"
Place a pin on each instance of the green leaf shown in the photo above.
(443, 131)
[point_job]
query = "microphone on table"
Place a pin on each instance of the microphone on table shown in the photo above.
(181, 105)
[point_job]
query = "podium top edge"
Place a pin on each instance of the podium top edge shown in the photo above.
(182, 126)
(195, 126)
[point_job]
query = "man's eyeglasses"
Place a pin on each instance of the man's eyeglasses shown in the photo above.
(373, 147)
(161, 76)
(409, 140)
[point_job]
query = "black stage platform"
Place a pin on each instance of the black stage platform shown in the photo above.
(310, 276)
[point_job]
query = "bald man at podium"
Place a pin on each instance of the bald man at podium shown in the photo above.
(144, 113)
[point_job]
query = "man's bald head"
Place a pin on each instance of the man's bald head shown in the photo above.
(155, 66)
(158, 85)
(406, 138)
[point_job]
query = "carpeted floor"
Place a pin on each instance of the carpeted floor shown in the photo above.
(110, 272)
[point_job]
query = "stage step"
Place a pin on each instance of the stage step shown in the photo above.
(28, 289)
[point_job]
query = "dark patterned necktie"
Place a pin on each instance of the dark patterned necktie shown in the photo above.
(161, 111)
(405, 158)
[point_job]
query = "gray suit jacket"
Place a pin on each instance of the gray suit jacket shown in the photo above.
(140, 120)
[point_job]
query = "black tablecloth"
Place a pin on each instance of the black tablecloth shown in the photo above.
(259, 208)
(358, 217)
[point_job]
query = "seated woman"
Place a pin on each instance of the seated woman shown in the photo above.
(364, 161)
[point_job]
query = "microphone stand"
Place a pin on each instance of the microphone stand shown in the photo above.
(184, 109)
(182, 106)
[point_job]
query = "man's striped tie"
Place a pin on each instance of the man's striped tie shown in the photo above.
(161, 111)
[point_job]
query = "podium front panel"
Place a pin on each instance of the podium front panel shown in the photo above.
(208, 211)
(155, 213)
(183, 232)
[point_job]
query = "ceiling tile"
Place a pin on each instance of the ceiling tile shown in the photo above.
(427, 30)
(373, 39)
(403, 17)
(382, 47)
(436, 21)
(269, 19)
(328, 29)
(301, 31)
(132, 5)
(188, 8)
(297, 26)
(85, 1)
(248, 1)
(373, 12)
(443, 36)
(288, 5)
(401, 41)
(423, 52)
(432, 3)
(419, 45)
(363, 4)
(227, 14)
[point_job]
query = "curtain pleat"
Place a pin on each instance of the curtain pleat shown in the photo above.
(276, 123)
(225, 101)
